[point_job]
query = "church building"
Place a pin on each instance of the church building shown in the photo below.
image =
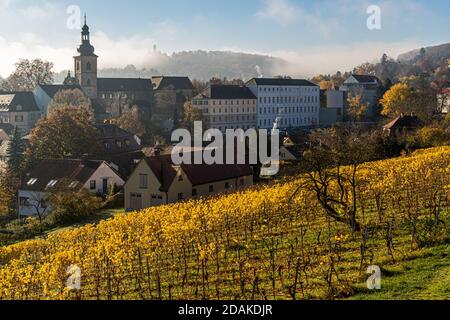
(112, 95)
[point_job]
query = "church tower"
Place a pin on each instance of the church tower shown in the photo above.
(86, 64)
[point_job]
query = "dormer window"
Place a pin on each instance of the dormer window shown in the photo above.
(19, 108)
(32, 181)
(73, 184)
(52, 183)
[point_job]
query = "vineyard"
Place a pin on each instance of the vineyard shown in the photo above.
(271, 242)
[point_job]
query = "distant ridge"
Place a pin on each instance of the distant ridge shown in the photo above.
(434, 53)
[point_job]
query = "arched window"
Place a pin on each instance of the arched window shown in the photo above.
(88, 66)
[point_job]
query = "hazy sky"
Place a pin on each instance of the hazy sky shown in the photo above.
(316, 36)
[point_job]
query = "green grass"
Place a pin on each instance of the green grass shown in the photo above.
(425, 276)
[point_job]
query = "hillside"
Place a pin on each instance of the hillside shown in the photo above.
(266, 243)
(200, 65)
(435, 54)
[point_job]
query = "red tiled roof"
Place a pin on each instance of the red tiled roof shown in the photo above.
(165, 171)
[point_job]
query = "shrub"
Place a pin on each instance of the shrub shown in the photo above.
(69, 206)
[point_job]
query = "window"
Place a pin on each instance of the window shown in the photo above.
(18, 118)
(93, 185)
(119, 144)
(180, 178)
(180, 196)
(211, 189)
(194, 192)
(143, 181)
(88, 66)
(227, 185)
(73, 184)
(32, 181)
(52, 183)
(127, 142)
(23, 202)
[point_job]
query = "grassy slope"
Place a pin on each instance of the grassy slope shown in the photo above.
(426, 276)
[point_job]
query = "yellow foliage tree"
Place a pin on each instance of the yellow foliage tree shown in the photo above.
(398, 99)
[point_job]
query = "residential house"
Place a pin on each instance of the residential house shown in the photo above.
(227, 107)
(402, 124)
(157, 181)
(285, 103)
(119, 148)
(291, 153)
(96, 176)
(444, 101)
(19, 109)
(365, 85)
(115, 140)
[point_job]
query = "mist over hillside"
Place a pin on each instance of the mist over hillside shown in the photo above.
(200, 65)
(204, 65)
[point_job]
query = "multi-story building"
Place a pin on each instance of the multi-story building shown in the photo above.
(227, 107)
(19, 109)
(285, 103)
(170, 94)
(368, 87)
(332, 108)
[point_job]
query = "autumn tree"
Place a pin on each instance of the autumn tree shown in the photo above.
(72, 204)
(28, 74)
(70, 98)
(402, 99)
(332, 164)
(398, 99)
(67, 132)
(191, 115)
(9, 184)
(433, 136)
(130, 121)
(356, 108)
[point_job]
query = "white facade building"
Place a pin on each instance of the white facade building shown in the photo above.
(285, 103)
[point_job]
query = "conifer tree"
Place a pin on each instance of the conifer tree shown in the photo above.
(15, 152)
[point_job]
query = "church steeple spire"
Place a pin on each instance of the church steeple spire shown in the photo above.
(86, 64)
(86, 48)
